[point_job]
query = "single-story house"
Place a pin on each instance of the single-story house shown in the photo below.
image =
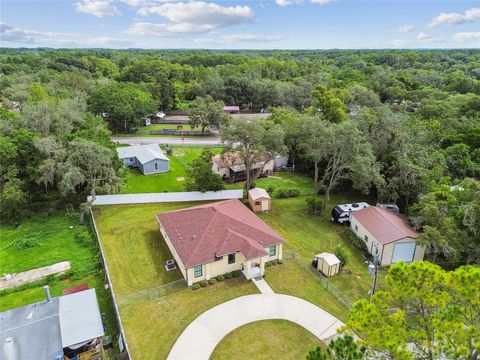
(329, 264)
(230, 166)
(220, 237)
(259, 200)
(53, 328)
(231, 109)
(149, 159)
(387, 235)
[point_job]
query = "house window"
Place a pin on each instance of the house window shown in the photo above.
(231, 258)
(156, 166)
(366, 238)
(272, 250)
(197, 271)
(258, 203)
(132, 160)
(356, 227)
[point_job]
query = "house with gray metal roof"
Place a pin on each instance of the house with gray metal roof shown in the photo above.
(51, 329)
(149, 159)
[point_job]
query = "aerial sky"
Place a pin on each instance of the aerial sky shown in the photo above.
(236, 24)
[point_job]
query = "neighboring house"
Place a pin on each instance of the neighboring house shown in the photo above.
(259, 200)
(232, 109)
(327, 263)
(216, 238)
(149, 159)
(389, 234)
(230, 166)
(280, 162)
(56, 328)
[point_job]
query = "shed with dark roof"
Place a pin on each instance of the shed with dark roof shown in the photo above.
(387, 235)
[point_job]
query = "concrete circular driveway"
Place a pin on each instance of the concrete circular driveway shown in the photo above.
(203, 334)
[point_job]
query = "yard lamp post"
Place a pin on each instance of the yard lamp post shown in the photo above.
(373, 270)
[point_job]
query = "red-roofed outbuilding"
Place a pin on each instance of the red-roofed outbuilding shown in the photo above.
(213, 239)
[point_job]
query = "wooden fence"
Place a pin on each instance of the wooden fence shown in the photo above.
(180, 132)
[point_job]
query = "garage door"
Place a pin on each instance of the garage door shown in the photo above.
(403, 252)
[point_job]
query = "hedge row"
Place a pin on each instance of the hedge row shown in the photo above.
(219, 278)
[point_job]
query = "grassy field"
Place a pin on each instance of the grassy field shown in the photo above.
(54, 243)
(145, 130)
(136, 254)
(292, 279)
(310, 235)
(136, 182)
(153, 325)
(267, 339)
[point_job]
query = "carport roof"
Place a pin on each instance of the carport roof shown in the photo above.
(385, 226)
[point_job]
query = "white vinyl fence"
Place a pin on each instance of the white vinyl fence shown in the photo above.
(166, 197)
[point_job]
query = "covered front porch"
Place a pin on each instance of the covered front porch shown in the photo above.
(253, 268)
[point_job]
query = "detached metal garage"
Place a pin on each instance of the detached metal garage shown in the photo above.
(388, 235)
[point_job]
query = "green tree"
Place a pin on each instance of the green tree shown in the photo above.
(13, 199)
(255, 142)
(435, 311)
(204, 111)
(122, 104)
(200, 174)
(328, 105)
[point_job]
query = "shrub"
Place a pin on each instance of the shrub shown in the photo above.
(27, 241)
(287, 193)
(314, 205)
(83, 237)
(274, 262)
(268, 264)
(236, 273)
(212, 281)
(204, 283)
(355, 240)
(220, 278)
(341, 254)
(280, 261)
(227, 276)
(270, 189)
(195, 286)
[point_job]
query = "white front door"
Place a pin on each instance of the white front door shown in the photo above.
(265, 205)
(403, 252)
(256, 271)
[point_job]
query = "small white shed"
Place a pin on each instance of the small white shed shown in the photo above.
(328, 263)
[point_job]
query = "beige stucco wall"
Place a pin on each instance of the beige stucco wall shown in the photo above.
(258, 208)
(384, 251)
(173, 252)
(225, 171)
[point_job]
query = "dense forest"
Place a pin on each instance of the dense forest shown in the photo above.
(404, 125)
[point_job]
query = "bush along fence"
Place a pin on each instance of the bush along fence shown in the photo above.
(180, 132)
(324, 281)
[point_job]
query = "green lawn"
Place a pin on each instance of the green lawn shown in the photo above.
(144, 131)
(55, 243)
(282, 181)
(267, 339)
(136, 253)
(136, 182)
(153, 325)
(310, 235)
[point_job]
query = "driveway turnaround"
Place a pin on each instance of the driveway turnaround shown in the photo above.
(201, 337)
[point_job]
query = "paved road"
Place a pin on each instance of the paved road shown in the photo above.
(201, 337)
(138, 140)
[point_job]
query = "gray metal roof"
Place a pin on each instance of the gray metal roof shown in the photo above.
(143, 153)
(80, 318)
(31, 331)
(41, 330)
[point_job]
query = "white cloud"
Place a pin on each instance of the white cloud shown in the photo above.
(398, 42)
(462, 37)
(296, 2)
(190, 18)
(423, 36)
(99, 8)
(16, 36)
(250, 38)
(470, 15)
(406, 28)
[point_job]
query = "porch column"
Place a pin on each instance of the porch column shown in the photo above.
(248, 269)
(262, 266)
(280, 251)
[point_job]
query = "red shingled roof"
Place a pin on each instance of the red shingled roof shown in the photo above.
(384, 225)
(75, 289)
(201, 233)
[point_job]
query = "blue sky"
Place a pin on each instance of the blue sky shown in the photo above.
(272, 24)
